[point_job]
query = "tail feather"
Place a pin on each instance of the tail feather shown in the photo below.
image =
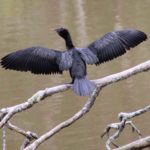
(83, 87)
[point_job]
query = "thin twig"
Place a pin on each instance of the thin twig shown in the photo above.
(28, 134)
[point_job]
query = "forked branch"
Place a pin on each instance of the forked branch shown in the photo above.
(7, 113)
(119, 126)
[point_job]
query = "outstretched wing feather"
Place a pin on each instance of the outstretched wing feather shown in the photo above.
(38, 60)
(114, 44)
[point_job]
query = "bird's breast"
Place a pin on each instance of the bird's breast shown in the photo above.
(78, 68)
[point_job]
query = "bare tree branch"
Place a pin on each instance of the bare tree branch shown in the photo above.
(100, 83)
(119, 126)
(7, 113)
(66, 123)
(4, 138)
(136, 145)
(124, 74)
(28, 134)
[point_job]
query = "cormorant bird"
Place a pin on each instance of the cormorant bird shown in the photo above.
(41, 60)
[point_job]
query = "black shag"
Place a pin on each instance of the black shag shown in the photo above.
(41, 60)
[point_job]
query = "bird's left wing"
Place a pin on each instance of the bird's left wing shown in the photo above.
(114, 44)
(38, 60)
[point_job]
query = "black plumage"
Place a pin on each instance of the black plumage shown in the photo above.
(41, 60)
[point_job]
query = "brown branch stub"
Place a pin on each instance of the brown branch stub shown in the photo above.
(25, 144)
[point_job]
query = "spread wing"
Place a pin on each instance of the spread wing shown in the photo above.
(113, 44)
(38, 60)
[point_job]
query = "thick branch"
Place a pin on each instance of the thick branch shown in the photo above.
(7, 113)
(136, 145)
(124, 74)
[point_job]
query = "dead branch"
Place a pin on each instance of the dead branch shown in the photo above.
(100, 83)
(136, 145)
(7, 113)
(119, 126)
(28, 134)
(66, 123)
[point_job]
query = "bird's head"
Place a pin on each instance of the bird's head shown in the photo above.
(64, 33)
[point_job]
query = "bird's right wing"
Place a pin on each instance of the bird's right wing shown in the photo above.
(38, 60)
(114, 44)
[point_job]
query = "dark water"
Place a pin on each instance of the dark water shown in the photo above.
(30, 23)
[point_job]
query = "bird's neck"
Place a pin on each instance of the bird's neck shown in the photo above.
(69, 43)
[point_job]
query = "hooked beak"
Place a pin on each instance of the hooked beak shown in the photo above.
(58, 29)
